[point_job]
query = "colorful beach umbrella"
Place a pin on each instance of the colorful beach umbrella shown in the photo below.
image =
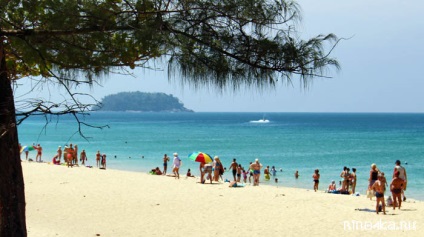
(26, 148)
(200, 157)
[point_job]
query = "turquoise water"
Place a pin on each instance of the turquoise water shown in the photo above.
(290, 141)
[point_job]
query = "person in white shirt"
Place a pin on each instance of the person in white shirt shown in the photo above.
(177, 164)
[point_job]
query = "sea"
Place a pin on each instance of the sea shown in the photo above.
(303, 142)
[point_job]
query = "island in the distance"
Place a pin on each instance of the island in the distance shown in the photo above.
(141, 102)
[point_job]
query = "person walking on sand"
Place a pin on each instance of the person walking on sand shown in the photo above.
(402, 175)
(233, 168)
(165, 163)
(75, 157)
(315, 177)
(256, 167)
(378, 188)
(177, 164)
(396, 187)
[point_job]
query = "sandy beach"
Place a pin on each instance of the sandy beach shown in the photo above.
(82, 202)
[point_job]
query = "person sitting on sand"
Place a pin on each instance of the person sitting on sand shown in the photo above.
(157, 171)
(378, 188)
(189, 174)
(396, 187)
(332, 187)
(55, 160)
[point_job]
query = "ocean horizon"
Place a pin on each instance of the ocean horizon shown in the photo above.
(289, 141)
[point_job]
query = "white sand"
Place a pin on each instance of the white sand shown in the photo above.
(82, 202)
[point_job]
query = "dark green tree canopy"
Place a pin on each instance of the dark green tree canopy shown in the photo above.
(206, 42)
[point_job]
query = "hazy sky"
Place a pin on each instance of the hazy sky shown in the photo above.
(380, 72)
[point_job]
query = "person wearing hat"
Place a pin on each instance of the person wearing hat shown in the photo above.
(402, 175)
(177, 164)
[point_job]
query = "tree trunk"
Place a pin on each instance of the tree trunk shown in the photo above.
(12, 192)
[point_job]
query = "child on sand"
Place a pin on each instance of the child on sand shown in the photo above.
(316, 176)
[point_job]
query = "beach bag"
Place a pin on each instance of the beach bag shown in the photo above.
(370, 193)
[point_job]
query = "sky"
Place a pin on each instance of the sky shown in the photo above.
(380, 66)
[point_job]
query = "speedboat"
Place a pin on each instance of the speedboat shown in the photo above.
(260, 121)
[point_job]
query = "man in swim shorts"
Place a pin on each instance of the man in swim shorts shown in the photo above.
(177, 164)
(396, 187)
(378, 188)
(233, 167)
(165, 163)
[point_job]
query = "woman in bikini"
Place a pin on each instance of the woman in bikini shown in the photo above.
(217, 166)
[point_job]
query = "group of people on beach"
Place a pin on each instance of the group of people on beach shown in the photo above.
(347, 182)
(377, 187)
(69, 154)
(213, 171)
